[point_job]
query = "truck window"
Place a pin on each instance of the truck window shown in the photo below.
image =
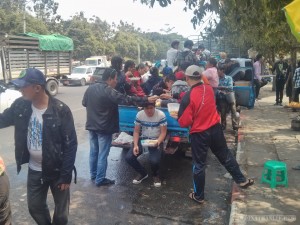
(89, 70)
(91, 62)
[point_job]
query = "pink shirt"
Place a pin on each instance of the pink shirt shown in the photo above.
(257, 70)
(212, 75)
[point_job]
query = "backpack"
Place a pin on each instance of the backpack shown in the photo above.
(184, 58)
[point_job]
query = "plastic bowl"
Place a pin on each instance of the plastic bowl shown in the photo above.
(173, 108)
(149, 143)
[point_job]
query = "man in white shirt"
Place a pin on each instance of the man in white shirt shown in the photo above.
(172, 53)
(154, 126)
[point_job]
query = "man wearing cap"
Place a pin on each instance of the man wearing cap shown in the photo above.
(153, 126)
(45, 138)
(198, 111)
(171, 53)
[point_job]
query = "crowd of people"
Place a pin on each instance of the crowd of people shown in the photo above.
(45, 135)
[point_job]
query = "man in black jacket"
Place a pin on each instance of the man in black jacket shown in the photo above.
(101, 101)
(45, 138)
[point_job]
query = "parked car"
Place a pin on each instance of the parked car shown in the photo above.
(80, 75)
(7, 96)
(97, 75)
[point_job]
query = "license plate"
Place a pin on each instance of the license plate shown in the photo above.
(66, 82)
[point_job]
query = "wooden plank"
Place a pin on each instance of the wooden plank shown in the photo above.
(24, 47)
(21, 37)
(16, 42)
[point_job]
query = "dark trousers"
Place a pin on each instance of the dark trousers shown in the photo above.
(223, 107)
(257, 87)
(214, 139)
(296, 95)
(279, 90)
(37, 200)
(5, 212)
(155, 154)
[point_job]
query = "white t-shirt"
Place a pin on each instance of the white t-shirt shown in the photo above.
(151, 125)
(35, 138)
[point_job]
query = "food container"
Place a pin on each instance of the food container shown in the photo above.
(149, 143)
(134, 78)
(173, 108)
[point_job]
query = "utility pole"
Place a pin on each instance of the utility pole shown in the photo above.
(24, 18)
(139, 53)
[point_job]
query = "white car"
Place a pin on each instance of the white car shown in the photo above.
(7, 96)
(80, 75)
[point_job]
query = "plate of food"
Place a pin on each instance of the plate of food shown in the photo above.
(149, 143)
(134, 78)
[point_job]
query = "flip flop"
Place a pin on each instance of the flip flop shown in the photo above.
(296, 167)
(249, 183)
(192, 196)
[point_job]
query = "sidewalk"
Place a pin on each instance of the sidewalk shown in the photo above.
(266, 134)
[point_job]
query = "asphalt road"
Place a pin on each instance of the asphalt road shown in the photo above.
(124, 202)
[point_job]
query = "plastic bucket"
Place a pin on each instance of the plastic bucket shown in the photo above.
(173, 108)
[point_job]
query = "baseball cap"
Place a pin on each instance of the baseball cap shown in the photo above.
(30, 76)
(167, 70)
(179, 75)
(194, 71)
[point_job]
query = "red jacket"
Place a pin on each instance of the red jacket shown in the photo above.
(191, 114)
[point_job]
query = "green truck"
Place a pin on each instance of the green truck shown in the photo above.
(52, 54)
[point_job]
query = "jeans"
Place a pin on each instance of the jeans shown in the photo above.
(5, 212)
(99, 150)
(214, 139)
(223, 108)
(155, 154)
(37, 200)
(296, 94)
(279, 90)
(257, 87)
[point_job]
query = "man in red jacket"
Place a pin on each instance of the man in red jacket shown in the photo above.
(198, 111)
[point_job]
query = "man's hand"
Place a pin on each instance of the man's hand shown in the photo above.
(153, 98)
(64, 187)
(174, 115)
(136, 150)
(165, 96)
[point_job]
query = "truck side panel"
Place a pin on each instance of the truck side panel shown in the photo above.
(50, 63)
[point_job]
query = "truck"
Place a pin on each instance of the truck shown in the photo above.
(178, 137)
(100, 61)
(52, 54)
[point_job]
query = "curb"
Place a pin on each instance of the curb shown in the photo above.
(238, 205)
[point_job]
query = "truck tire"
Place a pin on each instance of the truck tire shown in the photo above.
(52, 87)
(82, 82)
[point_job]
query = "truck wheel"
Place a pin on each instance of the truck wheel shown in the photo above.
(82, 82)
(52, 87)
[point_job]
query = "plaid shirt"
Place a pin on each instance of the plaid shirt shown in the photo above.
(296, 78)
(226, 81)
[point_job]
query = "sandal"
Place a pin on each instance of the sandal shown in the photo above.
(249, 183)
(192, 196)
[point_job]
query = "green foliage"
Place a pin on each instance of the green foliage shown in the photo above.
(91, 36)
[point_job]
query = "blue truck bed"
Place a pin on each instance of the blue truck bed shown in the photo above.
(127, 116)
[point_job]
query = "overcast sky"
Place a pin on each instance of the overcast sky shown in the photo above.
(148, 19)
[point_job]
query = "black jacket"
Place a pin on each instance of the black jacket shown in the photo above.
(59, 143)
(101, 102)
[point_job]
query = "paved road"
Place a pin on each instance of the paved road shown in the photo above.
(125, 203)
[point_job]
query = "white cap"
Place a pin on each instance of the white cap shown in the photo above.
(194, 71)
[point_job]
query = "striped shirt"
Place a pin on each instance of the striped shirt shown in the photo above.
(151, 125)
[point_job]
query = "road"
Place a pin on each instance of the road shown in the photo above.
(125, 203)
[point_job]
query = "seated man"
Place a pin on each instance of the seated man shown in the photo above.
(226, 98)
(154, 126)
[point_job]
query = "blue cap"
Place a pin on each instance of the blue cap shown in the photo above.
(30, 76)
(167, 70)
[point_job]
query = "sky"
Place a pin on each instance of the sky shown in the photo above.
(148, 19)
